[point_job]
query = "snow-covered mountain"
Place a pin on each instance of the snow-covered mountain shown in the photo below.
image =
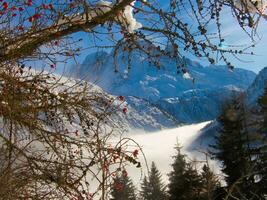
(189, 100)
(147, 81)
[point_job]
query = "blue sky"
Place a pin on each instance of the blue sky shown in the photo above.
(233, 35)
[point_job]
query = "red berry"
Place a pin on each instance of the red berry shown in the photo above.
(21, 28)
(29, 3)
(47, 6)
(5, 5)
(121, 98)
(135, 153)
(76, 133)
(21, 9)
(72, 5)
(124, 110)
(124, 173)
(30, 19)
(50, 6)
(14, 8)
(36, 16)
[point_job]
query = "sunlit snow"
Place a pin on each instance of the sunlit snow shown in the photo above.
(253, 6)
(125, 17)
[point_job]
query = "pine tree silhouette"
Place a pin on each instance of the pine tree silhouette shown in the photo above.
(262, 160)
(123, 188)
(210, 183)
(230, 145)
(237, 148)
(153, 188)
(184, 181)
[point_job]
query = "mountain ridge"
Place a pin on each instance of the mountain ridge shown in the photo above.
(205, 89)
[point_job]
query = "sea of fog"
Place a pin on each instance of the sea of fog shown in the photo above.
(159, 147)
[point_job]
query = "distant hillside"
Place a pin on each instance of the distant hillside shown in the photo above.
(256, 89)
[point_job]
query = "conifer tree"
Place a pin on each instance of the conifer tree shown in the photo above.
(262, 159)
(123, 188)
(262, 101)
(230, 144)
(144, 193)
(153, 188)
(184, 181)
(235, 148)
(210, 183)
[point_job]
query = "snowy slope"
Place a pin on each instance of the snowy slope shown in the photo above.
(182, 98)
(142, 115)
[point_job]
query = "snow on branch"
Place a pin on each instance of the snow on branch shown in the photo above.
(125, 18)
(120, 12)
(251, 6)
